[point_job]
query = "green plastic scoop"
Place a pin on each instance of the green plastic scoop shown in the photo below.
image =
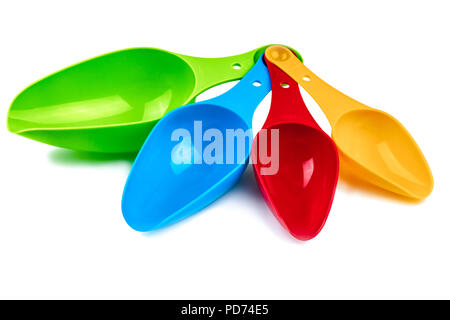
(110, 103)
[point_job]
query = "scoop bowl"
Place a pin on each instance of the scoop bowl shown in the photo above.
(301, 193)
(376, 146)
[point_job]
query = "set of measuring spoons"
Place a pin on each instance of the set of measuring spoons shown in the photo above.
(143, 99)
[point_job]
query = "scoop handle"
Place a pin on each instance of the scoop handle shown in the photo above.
(287, 104)
(247, 94)
(210, 72)
(332, 102)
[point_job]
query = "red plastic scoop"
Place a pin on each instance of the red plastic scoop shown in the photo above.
(301, 191)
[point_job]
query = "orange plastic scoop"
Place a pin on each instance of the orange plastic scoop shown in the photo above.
(372, 144)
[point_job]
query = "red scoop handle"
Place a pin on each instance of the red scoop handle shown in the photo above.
(287, 103)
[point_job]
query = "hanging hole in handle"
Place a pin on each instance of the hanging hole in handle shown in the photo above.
(306, 78)
(236, 66)
(257, 83)
(284, 85)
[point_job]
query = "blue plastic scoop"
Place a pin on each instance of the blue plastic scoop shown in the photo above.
(194, 155)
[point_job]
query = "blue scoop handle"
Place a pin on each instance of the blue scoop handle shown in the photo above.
(248, 93)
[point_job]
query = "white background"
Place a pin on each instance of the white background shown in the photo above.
(62, 234)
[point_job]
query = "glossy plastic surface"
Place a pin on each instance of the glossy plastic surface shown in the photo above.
(171, 178)
(373, 145)
(111, 102)
(301, 192)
